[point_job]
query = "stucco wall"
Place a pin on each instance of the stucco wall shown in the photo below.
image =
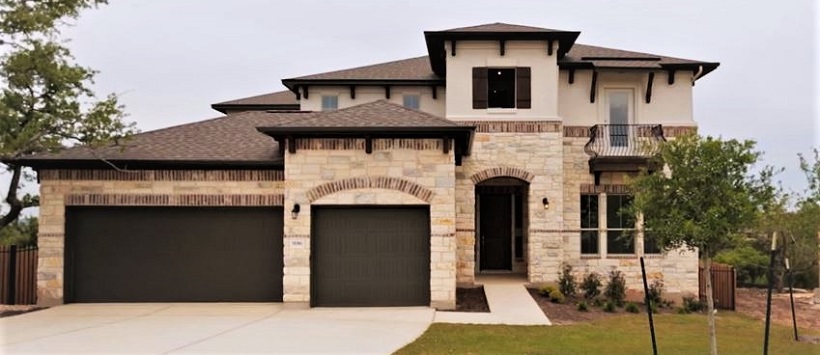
(61, 188)
(670, 104)
(471, 54)
(420, 163)
(365, 94)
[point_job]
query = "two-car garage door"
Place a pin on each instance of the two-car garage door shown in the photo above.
(173, 254)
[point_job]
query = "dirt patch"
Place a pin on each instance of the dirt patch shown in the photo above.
(568, 313)
(752, 302)
(471, 299)
(13, 310)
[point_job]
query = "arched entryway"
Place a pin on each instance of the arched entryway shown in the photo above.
(501, 225)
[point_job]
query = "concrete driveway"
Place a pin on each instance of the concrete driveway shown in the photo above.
(211, 328)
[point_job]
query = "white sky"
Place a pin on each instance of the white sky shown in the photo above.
(171, 59)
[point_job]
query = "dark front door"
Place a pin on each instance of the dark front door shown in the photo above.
(366, 257)
(173, 254)
(496, 231)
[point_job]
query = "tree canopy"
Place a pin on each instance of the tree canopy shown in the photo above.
(46, 99)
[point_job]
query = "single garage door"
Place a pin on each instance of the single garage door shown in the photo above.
(370, 256)
(173, 254)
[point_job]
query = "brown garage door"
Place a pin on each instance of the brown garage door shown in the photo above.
(370, 256)
(173, 254)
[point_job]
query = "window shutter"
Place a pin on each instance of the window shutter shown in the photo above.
(522, 92)
(479, 88)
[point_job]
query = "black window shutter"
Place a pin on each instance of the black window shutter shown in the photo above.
(522, 82)
(480, 88)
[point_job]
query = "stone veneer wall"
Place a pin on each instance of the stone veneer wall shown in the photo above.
(678, 268)
(397, 172)
(62, 188)
(530, 151)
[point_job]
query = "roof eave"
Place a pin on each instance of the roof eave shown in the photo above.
(435, 42)
(149, 164)
(256, 107)
(294, 83)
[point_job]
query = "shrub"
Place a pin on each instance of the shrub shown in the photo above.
(692, 304)
(655, 295)
(557, 297)
(653, 307)
(566, 281)
(609, 306)
(591, 285)
(582, 307)
(546, 290)
(682, 310)
(597, 302)
(632, 308)
(615, 290)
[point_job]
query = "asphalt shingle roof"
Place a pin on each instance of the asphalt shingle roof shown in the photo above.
(501, 27)
(376, 114)
(274, 98)
(406, 69)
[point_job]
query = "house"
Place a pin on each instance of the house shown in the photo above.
(504, 150)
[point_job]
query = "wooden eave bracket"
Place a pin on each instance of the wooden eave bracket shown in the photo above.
(305, 91)
(453, 48)
(571, 76)
(593, 87)
(435, 92)
(549, 48)
(502, 44)
(352, 92)
(368, 145)
(671, 77)
(649, 82)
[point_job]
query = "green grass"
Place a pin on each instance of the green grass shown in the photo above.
(627, 334)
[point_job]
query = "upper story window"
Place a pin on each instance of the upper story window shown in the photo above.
(501, 87)
(412, 101)
(330, 103)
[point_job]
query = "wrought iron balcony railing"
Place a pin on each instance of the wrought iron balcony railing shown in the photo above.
(624, 140)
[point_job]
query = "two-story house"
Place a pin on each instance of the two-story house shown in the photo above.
(504, 150)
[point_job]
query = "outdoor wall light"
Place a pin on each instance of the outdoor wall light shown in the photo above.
(295, 211)
(546, 203)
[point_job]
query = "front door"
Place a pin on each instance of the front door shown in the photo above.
(496, 231)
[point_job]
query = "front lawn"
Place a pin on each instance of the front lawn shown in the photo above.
(625, 334)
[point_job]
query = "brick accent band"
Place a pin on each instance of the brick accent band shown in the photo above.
(164, 175)
(505, 171)
(668, 131)
(515, 126)
(358, 144)
(443, 235)
(604, 188)
(368, 182)
(173, 200)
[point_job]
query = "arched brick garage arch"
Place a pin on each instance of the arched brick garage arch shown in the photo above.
(371, 182)
(505, 171)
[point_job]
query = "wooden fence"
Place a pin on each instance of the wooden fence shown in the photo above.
(724, 285)
(18, 275)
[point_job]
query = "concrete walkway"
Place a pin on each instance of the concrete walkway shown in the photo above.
(211, 328)
(510, 303)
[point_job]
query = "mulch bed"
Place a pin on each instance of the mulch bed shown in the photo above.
(568, 313)
(471, 299)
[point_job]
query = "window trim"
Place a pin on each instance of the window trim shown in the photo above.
(522, 84)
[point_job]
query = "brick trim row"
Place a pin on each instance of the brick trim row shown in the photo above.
(359, 144)
(173, 200)
(515, 126)
(443, 235)
(604, 188)
(505, 171)
(163, 175)
(668, 131)
(368, 182)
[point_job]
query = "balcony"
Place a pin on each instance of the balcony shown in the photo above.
(621, 147)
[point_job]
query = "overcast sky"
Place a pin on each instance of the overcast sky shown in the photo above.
(170, 59)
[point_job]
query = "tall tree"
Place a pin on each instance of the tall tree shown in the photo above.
(46, 102)
(703, 201)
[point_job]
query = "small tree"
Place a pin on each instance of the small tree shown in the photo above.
(703, 200)
(566, 281)
(46, 102)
